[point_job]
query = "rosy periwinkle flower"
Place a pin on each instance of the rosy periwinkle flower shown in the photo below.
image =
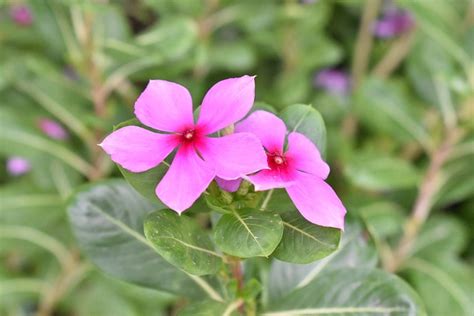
(21, 14)
(16, 166)
(167, 107)
(300, 170)
(334, 81)
(393, 23)
(52, 129)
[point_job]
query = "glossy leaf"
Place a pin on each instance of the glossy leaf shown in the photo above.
(350, 291)
(354, 251)
(107, 220)
(182, 242)
(305, 242)
(249, 233)
(306, 120)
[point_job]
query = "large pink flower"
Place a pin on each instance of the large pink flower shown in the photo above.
(300, 170)
(167, 106)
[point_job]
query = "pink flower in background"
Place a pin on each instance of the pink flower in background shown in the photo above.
(167, 107)
(300, 170)
(16, 166)
(21, 14)
(336, 82)
(393, 23)
(52, 129)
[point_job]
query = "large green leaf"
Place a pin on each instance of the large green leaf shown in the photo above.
(306, 120)
(249, 233)
(376, 171)
(350, 291)
(354, 251)
(182, 242)
(305, 242)
(107, 220)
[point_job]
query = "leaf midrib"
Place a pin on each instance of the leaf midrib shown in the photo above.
(307, 234)
(192, 246)
(248, 229)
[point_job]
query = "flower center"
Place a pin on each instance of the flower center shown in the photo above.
(276, 160)
(188, 135)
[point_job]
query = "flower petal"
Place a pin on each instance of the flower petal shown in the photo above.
(269, 179)
(270, 129)
(137, 149)
(228, 185)
(234, 156)
(165, 106)
(305, 156)
(227, 102)
(187, 178)
(317, 201)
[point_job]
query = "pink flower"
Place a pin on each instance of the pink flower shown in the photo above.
(52, 129)
(228, 185)
(300, 170)
(16, 166)
(393, 23)
(21, 14)
(167, 107)
(336, 82)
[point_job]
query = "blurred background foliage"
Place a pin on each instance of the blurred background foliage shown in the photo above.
(393, 80)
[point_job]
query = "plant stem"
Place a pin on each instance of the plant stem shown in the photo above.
(364, 42)
(425, 199)
(267, 199)
(238, 276)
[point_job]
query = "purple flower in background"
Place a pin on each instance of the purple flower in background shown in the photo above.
(335, 81)
(16, 166)
(53, 129)
(21, 14)
(393, 23)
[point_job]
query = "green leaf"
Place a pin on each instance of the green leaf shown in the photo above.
(182, 242)
(446, 285)
(205, 308)
(350, 291)
(107, 220)
(379, 172)
(354, 251)
(306, 120)
(249, 233)
(305, 242)
(385, 108)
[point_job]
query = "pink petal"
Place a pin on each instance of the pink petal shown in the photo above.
(165, 106)
(305, 156)
(137, 149)
(234, 156)
(271, 179)
(227, 102)
(228, 185)
(270, 129)
(187, 178)
(317, 201)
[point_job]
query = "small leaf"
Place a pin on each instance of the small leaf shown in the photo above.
(249, 233)
(304, 242)
(306, 120)
(182, 242)
(350, 291)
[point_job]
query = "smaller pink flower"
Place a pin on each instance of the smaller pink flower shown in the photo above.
(229, 185)
(17, 166)
(166, 106)
(52, 129)
(300, 170)
(21, 14)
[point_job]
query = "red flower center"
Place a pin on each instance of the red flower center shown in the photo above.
(276, 160)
